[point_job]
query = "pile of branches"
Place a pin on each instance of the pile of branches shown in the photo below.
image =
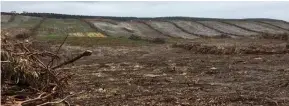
(27, 79)
(228, 50)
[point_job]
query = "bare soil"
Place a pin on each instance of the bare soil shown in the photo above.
(163, 75)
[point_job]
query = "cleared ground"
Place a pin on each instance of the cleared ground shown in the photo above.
(160, 74)
(183, 72)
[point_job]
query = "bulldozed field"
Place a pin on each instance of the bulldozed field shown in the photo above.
(164, 74)
(196, 71)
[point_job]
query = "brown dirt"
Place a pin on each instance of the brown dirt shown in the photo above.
(162, 75)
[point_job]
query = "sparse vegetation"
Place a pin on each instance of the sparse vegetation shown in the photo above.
(135, 70)
(134, 37)
(25, 74)
(233, 49)
(159, 40)
(93, 41)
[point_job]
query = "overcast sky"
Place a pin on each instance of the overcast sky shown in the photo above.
(215, 9)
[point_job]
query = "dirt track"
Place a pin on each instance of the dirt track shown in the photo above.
(162, 75)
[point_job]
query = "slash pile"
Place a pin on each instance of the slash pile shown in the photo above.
(27, 78)
(232, 49)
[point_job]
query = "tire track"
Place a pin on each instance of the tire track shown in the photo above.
(224, 34)
(143, 22)
(91, 25)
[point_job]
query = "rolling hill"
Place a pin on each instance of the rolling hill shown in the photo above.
(146, 28)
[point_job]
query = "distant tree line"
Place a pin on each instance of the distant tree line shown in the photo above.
(66, 16)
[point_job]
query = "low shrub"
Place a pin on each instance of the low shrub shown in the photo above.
(134, 37)
(159, 40)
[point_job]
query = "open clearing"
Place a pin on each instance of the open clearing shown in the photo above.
(187, 68)
(159, 74)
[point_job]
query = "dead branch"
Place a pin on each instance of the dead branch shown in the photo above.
(38, 99)
(34, 57)
(5, 61)
(50, 64)
(59, 101)
(86, 53)
(45, 53)
(23, 65)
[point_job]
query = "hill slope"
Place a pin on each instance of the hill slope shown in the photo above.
(147, 28)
